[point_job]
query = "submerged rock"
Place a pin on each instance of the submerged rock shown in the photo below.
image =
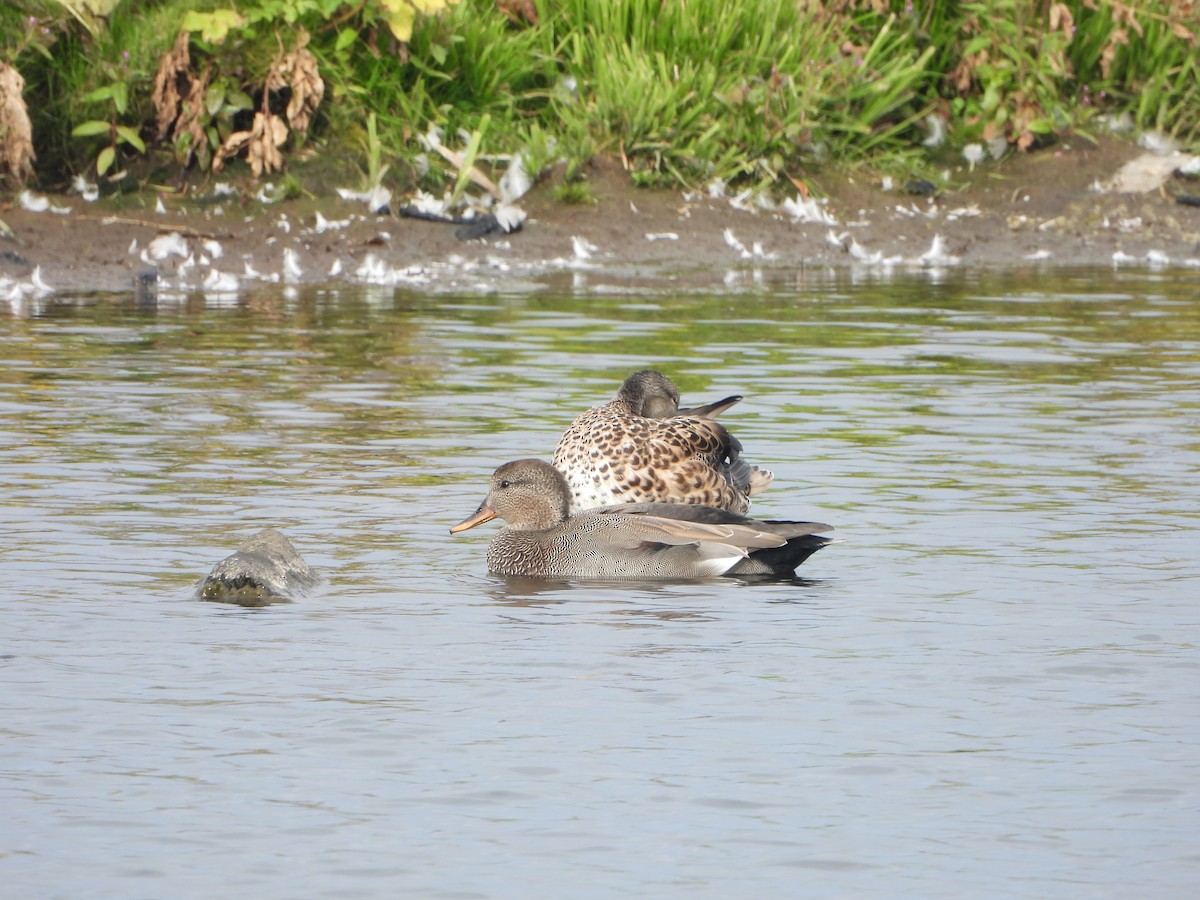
(265, 569)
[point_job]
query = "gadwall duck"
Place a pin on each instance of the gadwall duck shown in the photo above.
(645, 540)
(641, 447)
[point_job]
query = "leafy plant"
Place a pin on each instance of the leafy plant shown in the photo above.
(576, 192)
(1014, 68)
(115, 96)
(762, 92)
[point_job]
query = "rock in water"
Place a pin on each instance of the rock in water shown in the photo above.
(264, 570)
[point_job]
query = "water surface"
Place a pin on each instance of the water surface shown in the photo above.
(988, 689)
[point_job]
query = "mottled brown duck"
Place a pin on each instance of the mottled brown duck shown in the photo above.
(640, 447)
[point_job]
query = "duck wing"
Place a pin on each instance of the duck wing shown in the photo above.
(656, 525)
(709, 410)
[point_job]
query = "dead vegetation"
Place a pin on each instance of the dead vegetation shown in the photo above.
(16, 131)
(185, 117)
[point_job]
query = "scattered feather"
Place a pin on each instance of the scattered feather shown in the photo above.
(431, 139)
(427, 203)
(1120, 257)
(323, 224)
(33, 202)
(763, 201)
(266, 193)
(936, 126)
(997, 148)
(1038, 254)
(39, 283)
(1157, 142)
(509, 217)
(335, 269)
(738, 246)
(165, 245)
(291, 265)
(375, 271)
(662, 236)
(85, 189)
(861, 254)
(807, 211)
(582, 248)
(936, 255)
(220, 282)
(911, 211)
(1157, 259)
(516, 180)
(743, 201)
(973, 153)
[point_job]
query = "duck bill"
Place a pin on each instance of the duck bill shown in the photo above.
(484, 514)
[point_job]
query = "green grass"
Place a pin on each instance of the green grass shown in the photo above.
(760, 92)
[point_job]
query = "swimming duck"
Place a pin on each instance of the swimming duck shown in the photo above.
(645, 540)
(641, 447)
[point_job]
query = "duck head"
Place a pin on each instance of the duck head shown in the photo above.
(528, 494)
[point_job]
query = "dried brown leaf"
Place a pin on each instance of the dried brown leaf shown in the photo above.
(193, 114)
(265, 152)
(307, 87)
(1108, 55)
(299, 73)
(1061, 18)
(519, 12)
(261, 142)
(16, 131)
(171, 81)
(231, 146)
(1127, 14)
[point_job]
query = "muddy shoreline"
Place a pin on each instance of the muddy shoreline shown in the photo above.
(1039, 208)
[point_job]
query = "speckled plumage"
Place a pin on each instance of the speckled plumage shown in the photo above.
(641, 448)
(643, 541)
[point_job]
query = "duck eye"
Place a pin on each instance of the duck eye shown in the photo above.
(505, 483)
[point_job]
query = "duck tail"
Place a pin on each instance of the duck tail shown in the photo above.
(781, 560)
